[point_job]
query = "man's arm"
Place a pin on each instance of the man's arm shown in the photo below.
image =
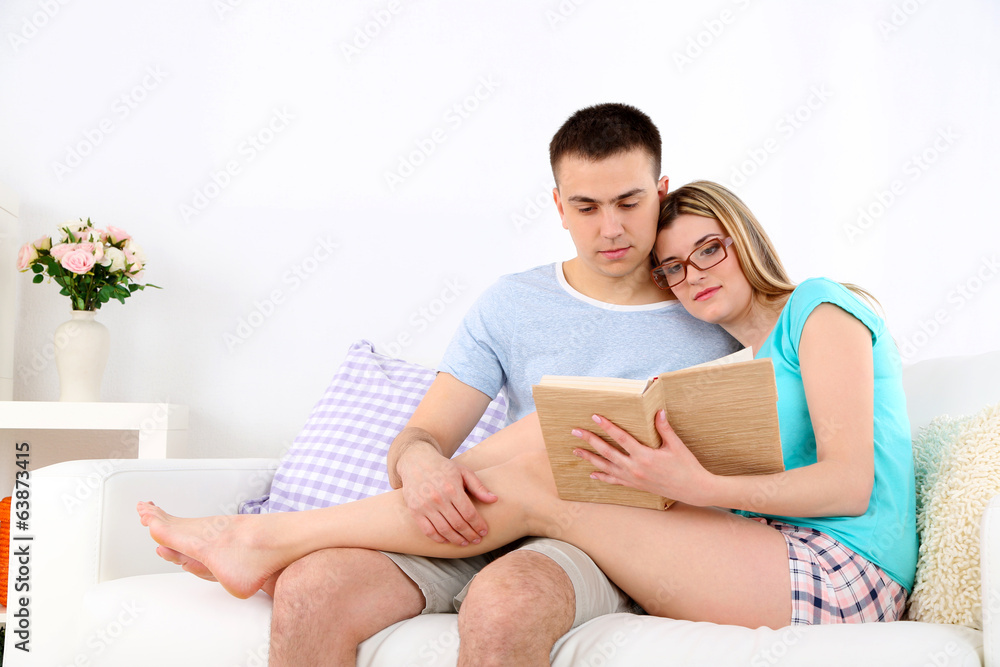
(436, 488)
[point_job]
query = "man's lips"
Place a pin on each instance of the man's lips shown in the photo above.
(706, 293)
(614, 254)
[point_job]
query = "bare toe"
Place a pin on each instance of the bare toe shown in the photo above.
(148, 511)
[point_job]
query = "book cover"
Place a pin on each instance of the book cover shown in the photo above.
(726, 414)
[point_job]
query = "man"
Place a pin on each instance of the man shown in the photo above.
(596, 314)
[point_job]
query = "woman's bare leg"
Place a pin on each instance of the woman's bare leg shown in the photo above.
(522, 437)
(242, 552)
(691, 563)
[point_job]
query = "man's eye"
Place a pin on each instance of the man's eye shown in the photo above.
(632, 205)
(586, 209)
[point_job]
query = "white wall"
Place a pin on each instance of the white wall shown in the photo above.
(835, 101)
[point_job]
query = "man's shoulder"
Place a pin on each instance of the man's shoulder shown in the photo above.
(539, 275)
(513, 285)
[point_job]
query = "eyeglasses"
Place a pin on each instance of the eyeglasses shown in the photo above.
(708, 254)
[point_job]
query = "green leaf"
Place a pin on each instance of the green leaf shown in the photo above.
(64, 291)
(133, 287)
(80, 305)
(38, 279)
(37, 267)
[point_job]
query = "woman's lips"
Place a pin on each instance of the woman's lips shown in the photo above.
(614, 254)
(706, 293)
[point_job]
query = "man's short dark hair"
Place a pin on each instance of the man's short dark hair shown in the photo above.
(604, 130)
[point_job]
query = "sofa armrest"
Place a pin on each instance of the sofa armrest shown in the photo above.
(85, 510)
(989, 554)
(82, 529)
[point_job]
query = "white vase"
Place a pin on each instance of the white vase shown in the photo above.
(82, 345)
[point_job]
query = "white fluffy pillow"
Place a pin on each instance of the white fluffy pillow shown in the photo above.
(957, 465)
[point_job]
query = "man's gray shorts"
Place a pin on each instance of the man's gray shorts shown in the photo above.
(445, 581)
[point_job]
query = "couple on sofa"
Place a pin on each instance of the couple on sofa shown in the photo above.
(830, 540)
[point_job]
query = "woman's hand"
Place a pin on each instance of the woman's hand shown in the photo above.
(671, 471)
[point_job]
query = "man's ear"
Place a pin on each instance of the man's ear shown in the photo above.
(662, 186)
(559, 206)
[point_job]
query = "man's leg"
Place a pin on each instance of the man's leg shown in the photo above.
(330, 601)
(516, 609)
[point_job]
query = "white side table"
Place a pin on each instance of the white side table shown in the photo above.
(162, 427)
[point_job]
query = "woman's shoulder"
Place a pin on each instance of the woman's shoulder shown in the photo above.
(818, 287)
(811, 293)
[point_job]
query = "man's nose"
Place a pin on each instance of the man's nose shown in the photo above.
(611, 224)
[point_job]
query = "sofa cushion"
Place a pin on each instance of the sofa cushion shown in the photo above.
(956, 462)
(340, 454)
(138, 620)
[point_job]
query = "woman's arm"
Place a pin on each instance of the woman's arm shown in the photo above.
(835, 356)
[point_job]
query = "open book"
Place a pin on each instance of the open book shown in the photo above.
(725, 411)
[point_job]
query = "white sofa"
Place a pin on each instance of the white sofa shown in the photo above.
(100, 596)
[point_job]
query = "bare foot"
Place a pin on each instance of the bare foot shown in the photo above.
(227, 549)
(195, 567)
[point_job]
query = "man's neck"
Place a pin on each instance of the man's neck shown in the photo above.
(636, 289)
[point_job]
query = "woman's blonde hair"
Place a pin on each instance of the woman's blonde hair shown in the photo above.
(754, 250)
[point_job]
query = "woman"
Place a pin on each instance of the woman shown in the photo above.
(831, 539)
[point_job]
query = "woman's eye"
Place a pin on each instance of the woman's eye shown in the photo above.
(672, 269)
(709, 250)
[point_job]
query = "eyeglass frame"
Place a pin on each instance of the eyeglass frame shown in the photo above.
(726, 242)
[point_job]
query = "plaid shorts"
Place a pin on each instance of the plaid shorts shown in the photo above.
(832, 584)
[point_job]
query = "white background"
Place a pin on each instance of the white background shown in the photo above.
(126, 110)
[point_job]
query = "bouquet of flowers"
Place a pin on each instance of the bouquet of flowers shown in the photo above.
(91, 265)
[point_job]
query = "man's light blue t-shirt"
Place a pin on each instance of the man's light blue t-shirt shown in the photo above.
(534, 323)
(886, 533)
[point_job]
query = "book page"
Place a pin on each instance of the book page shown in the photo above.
(624, 385)
(746, 354)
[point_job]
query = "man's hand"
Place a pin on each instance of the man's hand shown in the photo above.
(439, 493)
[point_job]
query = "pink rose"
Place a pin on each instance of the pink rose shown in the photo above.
(78, 260)
(135, 257)
(26, 256)
(96, 248)
(116, 235)
(61, 249)
(133, 263)
(44, 243)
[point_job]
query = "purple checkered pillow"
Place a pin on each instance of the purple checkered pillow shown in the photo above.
(340, 454)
